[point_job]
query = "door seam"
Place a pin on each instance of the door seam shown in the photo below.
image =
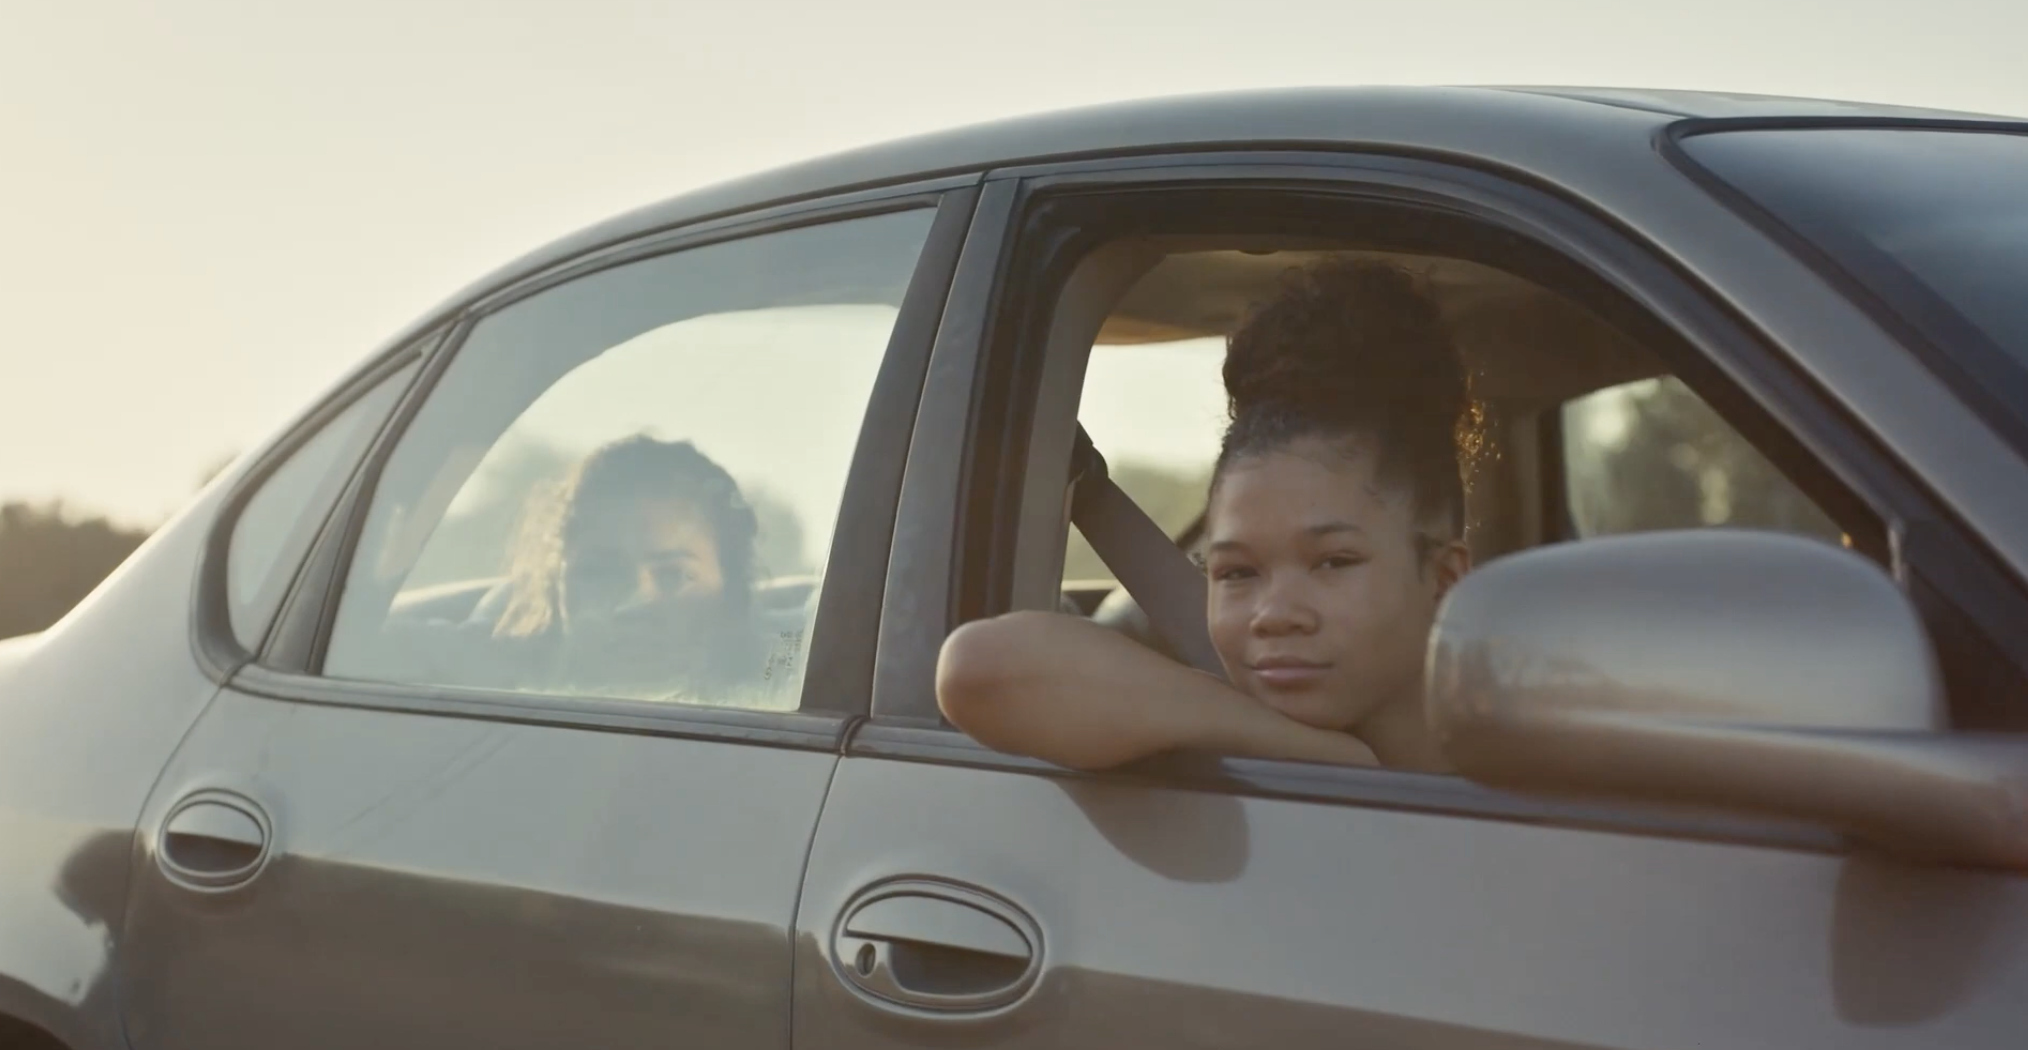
(803, 878)
(119, 937)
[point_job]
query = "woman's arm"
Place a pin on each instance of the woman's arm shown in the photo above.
(1066, 690)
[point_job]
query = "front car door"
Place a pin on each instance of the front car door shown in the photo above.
(957, 895)
(533, 753)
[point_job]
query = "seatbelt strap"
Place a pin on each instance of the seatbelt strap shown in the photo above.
(1161, 578)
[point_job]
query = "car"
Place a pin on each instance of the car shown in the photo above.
(1737, 695)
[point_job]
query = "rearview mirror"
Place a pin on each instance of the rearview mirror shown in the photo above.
(1751, 673)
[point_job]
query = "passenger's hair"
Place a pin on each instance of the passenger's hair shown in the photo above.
(608, 481)
(1356, 351)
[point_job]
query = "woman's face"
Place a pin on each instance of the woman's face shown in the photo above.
(1321, 596)
(639, 585)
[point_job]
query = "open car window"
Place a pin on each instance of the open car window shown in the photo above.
(1576, 413)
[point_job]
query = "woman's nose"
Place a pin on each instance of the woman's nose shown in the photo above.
(1284, 609)
(645, 590)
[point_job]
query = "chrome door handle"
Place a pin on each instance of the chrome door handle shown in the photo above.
(213, 839)
(937, 946)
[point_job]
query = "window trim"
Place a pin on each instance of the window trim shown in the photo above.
(1558, 522)
(1346, 786)
(216, 644)
(296, 642)
(805, 730)
(1745, 363)
(914, 613)
(303, 630)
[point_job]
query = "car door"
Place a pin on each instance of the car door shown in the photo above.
(956, 896)
(533, 754)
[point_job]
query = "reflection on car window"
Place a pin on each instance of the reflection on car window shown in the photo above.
(1652, 455)
(1940, 210)
(625, 486)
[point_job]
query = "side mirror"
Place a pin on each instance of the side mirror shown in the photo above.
(1751, 673)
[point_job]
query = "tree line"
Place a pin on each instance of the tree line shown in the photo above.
(51, 558)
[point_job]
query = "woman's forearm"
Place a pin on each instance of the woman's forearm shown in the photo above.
(1069, 691)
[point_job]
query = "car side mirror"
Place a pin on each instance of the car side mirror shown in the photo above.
(1751, 673)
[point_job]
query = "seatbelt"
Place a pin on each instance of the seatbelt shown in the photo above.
(1161, 579)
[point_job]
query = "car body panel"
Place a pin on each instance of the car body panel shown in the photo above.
(440, 881)
(1732, 105)
(90, 710)
(1212, 916)
(1175, 917)
(15, 651)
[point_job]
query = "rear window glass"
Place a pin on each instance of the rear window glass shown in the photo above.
(1933, 221)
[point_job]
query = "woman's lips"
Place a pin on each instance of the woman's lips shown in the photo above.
(1284, 673)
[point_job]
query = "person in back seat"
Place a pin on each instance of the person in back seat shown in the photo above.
(637, 578)
(1335, 526)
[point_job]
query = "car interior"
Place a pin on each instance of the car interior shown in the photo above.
(1531, 351)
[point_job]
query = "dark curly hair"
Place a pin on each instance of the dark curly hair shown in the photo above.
(1356, 350)
(627, 471)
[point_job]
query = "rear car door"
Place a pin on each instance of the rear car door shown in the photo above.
(956, 896)
(533, 753)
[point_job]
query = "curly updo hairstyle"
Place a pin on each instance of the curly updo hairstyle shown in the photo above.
(1356, 351)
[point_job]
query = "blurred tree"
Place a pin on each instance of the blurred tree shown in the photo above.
(1653, 455)
(50, 560)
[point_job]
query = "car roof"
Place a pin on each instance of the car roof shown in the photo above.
(1533, 128)
(1722, 105)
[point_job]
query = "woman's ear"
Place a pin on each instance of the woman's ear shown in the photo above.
(1452, 561)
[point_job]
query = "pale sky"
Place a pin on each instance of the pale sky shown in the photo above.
(212, 207)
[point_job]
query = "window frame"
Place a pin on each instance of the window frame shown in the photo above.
(839, 660)
(1002, 501)
(218, 648)
(1734, 356)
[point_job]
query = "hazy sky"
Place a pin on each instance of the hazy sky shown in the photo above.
(211, 207)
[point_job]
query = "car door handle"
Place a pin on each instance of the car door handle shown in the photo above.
(214, 839)
(937, 946)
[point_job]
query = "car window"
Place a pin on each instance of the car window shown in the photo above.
(625, 486)
(1652, 455)
(1155, 411)
(278, 524)
(1641, 451)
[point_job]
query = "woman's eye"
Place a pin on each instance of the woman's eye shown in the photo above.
(1342, 561)
(672, 577)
